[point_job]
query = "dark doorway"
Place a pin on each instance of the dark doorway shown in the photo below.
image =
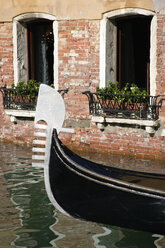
(40, 51)
(133, 51)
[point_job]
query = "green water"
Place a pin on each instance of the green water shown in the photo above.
(27, 218)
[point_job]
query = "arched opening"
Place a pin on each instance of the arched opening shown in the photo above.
(35, 48)
(127, 52)
(133, 51)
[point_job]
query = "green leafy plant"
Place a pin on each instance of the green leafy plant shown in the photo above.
(29, 85)
(111, 91)
(130, 93)
(111, 88)
(29, 89)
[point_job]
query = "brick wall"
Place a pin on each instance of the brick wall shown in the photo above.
(79, 71)
(79, 54)
(117, 140)
(6, 54)
(20, 133)
(78, 63)
(4, 120)
(160, 79)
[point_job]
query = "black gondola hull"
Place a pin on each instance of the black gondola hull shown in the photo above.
(85, 196)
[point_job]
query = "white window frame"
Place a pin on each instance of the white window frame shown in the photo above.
(104, 74)
(20, 64)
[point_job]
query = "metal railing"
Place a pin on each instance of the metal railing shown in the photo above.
(21, 99)
(124, 106)
(114, 106)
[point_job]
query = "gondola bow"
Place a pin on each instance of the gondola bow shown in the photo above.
(90, 191)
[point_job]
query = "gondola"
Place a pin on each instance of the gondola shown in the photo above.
(93, 192)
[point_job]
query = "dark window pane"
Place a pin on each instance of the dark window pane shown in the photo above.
(41, 46)
(133, 52)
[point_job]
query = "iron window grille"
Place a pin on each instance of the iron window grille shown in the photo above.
(21, 99)
(124, 106)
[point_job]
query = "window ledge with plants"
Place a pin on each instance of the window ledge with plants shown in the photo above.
(20, 101)
(128, 106)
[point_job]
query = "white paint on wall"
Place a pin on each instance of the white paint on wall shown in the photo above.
(158, 5)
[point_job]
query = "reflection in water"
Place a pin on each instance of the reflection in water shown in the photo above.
(75, 233)
(34, 208)
(159, 241)
(96, 237)
(29, 212)
(27, 219)
(124, 238)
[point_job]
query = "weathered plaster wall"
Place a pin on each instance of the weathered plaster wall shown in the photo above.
(73, 9)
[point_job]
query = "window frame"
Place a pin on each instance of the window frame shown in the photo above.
(106, 72)
(20, 63)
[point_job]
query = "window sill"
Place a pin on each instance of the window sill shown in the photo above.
(16, 114)
(149, 125)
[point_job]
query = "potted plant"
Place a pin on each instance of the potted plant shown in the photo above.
(110, 96)
(130, 97)
(24, 95)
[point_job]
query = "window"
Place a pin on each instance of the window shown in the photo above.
(35, 38)
(133, 51)
(127, 48)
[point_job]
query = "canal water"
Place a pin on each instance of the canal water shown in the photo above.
(27, 218)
